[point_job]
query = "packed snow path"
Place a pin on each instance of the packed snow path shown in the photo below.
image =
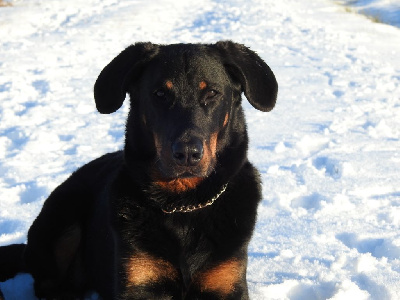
(329, 153)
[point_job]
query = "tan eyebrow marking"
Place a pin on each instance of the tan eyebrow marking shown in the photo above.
(202, 85)
(169, 84)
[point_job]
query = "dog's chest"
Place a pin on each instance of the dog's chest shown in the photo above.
(158, 247)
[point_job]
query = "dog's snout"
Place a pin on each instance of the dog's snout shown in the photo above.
(188, 153)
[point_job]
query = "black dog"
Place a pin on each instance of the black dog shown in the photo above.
(170, 216)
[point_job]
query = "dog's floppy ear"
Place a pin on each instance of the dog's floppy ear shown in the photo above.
(112, 84)
(258, 81)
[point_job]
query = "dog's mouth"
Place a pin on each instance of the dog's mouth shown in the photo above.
(178, 179)
(168, 170)
(179, 184)
(182, 164)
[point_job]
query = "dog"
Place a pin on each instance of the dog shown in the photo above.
(171, 215)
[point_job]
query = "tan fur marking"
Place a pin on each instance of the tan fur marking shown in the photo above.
(213, 144)
(222, 278)
(202, 85)
(176, 185)
(169, 85)
(226, 119)
(180, 185)
(142, 269)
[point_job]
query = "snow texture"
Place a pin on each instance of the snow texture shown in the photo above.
(386, 11)
(329, 153)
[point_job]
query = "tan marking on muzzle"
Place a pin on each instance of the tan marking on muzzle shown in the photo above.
(226, 119)
(180, 185)
(213, 145)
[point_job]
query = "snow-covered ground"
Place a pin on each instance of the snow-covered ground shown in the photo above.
(385, 11)
(329, 153)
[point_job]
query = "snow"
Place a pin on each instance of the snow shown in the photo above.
(386, 11)
(328, 226)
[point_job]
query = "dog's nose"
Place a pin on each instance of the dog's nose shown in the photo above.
(188, 153)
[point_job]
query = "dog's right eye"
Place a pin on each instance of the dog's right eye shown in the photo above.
(159, 93)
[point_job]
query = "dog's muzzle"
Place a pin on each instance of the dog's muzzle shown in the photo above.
(188, 154)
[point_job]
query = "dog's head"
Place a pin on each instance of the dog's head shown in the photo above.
(185, 105)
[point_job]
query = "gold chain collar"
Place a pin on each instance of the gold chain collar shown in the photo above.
(190, 208)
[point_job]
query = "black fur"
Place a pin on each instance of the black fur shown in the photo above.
(111, 228)
(12, 262)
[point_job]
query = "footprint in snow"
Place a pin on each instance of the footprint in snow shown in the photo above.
(311, 202)
(41, 86)
(17, 136)
(332, 167)
(378, 247)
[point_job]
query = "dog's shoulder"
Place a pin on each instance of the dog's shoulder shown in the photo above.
(84, 185)
(98, 171)
(239, 203)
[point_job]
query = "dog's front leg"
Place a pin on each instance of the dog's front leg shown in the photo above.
(150, 277)
(224, 280)
(54, 251)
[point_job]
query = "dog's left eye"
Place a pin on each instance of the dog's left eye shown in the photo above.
(211, 94)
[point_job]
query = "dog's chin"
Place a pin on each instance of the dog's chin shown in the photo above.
(178, 180)
(179, 185)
